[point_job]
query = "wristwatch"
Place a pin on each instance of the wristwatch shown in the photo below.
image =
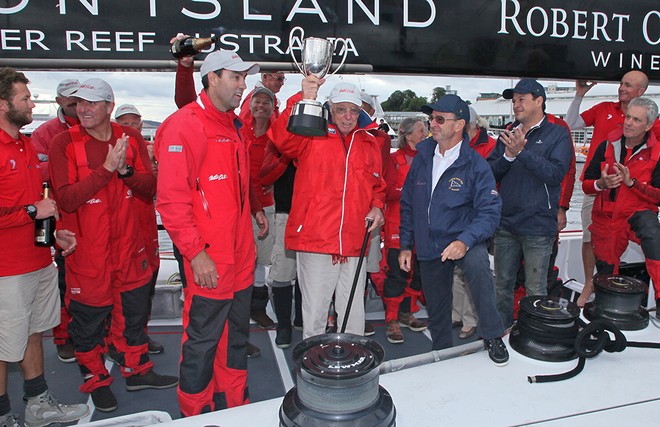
(634, 181)
(31, 211)
(128, 174)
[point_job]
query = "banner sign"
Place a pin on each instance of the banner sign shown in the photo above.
(590, 39)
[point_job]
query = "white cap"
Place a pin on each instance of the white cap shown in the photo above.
(365, 97)
(473, 115)
(226, 60)
(126, 109)
(346, 92)
(94, 90)
(67, 87)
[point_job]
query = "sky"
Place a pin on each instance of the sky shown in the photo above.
(153, 92)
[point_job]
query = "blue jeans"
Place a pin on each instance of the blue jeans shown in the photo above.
(510, 250)
(437, 279)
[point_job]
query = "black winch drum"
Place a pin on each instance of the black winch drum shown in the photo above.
(537, 316)
(337, 384)
(619, 300)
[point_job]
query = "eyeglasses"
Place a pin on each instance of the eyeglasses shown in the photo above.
(278, 78)
(343, 110)
(440, 119)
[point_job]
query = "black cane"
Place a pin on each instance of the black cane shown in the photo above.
(357, 274)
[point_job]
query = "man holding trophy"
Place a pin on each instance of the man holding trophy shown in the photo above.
(338, 187)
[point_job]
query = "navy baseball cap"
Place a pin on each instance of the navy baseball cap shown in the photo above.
(449, 104)
(526, 86)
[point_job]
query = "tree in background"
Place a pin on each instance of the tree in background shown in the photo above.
(438, 92)
(406, 100)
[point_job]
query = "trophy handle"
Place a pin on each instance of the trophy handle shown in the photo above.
(345, 54)
(302, 35)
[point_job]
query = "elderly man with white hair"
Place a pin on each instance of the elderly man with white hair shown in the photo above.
(338, 186)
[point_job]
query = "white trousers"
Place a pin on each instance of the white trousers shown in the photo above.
(319, 280)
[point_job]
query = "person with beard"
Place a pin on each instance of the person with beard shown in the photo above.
(41, 139)
(28, 280)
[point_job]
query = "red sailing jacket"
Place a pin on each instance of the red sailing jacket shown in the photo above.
(44, 134)
(338, 180)
(627, 200)
(101, 209)
(203, 183)
(395, 176)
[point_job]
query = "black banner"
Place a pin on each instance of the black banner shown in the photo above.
(591, 39)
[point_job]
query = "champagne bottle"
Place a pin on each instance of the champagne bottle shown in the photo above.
(191, 46)
(44, 229)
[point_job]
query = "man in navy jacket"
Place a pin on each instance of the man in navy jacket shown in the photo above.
(529, 162)
(449, 209)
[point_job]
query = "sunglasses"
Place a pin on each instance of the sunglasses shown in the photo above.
(440, 119)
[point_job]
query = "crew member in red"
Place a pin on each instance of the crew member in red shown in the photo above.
(338, 186)
(401, 289)
(41, 139)
(28, 280)
(129, 115)
(203, 200)
(624, 174)
(605, 117)
(98, 168)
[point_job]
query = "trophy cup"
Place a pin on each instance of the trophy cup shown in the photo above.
(308, 117)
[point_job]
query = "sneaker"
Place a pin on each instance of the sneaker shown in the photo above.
(393, 333)
(150, 380)
(283, 338)
(66, 352)
(497, 351)
(409, 321)
(45, 409)
(155, 347)
(369, 329)
(297, 324)
(9, 420)
(253, 351)
(104, 399)
(467, 333)
(262, 319)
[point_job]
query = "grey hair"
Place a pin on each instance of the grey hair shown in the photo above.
(406, 127)
(649, 104)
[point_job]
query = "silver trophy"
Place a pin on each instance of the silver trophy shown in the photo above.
(308, 117)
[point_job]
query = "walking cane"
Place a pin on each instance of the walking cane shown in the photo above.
(357, 275)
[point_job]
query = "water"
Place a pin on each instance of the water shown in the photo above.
(573, 219)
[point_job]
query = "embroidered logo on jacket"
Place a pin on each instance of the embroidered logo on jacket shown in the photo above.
(455, 184)
(175, 149)
(540, 141)
(94, 201)
(218, 177)
(223, 140)
(332, 131)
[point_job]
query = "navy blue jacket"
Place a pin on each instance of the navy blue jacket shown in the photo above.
(464, 206)
(530, 186)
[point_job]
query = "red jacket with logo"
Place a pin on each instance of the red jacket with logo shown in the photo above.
(204, 182)
(20, 185)
(395, 176)
(338, 180)
(101, 209)
(622, 202)
(43, 136)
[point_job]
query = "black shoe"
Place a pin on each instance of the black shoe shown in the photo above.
(150, 380)
(155, 347)
(283, 338)
(297, 324)
(497, 351)
(104, 399)
(66, 352)
(262, 319)
(369, 329)
(253, 351)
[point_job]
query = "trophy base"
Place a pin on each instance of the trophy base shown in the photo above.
(308, 119)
